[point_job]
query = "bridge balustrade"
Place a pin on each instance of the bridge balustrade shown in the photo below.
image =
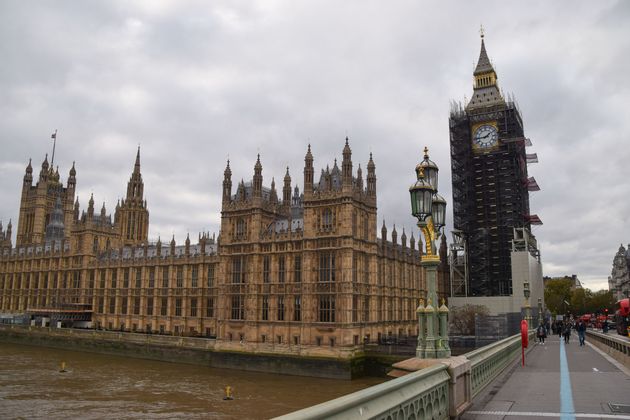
(441, 391)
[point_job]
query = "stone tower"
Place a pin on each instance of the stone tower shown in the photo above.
(132, 216)
(37, 203)
(490, 182)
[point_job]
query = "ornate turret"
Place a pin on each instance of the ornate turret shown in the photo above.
(403, 239)
(90, 211)
(360, 179)
(76, 209)
(103, 213)
(308, 173)
(273, 195)
(371, 178)
(132, 217)
(384, 233)
(227, 184)
(286, 190)
(258, 179)
(412, 242)
(187, 244)
(346, 168)
(72, 177)
(394, 236)
(158, 247)
(172, 245)
(28, 176)
(43, 174)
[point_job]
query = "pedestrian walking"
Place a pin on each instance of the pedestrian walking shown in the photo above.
(541, 333)
(605, 327)
(581, 330)
(559, 328)
(567, 332)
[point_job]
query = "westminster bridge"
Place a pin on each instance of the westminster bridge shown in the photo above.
(557, 380)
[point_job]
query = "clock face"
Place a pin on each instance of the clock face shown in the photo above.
(486, 136)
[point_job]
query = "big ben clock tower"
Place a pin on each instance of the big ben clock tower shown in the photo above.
(490, 183)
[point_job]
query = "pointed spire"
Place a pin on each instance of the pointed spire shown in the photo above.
(384, 232)
(103, 211)
(73, 171)
(136, 167)
(29, 168)
(483, 64)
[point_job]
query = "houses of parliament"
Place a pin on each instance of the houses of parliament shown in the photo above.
(289, 269)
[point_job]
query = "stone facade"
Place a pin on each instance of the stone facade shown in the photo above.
(619, 279)
(304, 269)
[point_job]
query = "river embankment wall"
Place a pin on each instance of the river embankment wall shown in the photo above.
(197, 351)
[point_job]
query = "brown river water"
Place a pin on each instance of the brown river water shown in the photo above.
(98, 386)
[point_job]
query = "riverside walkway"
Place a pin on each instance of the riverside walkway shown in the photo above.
(559, 380)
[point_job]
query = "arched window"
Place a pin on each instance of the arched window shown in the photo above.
(241, 228)
(327, 219)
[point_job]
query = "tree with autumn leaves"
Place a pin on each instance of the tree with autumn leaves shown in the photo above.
(561, 297)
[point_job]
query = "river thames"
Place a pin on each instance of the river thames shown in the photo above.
(98, 386)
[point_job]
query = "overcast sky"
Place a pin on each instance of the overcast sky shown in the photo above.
(195, 82)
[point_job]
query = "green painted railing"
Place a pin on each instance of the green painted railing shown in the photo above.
(438, 392)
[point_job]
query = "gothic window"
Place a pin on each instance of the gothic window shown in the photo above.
(152, 277)
(180, 276)
(297, 268)
(112, 305)
(241, 229)
(178, 307)
(150, 306)
(326, 308)
(136, 306)
(210, 275)
(326, 266)
(237, 309)
(138, 277)
(281, 269)
(327, 219)
(103, 274)
(280, 308)
(114, 278)
(165, 276)
(366, 227)
(164, 307)
(193, 307)
(123, 309)
(210, 307)
(238, 269)
(366, 309)
(101, 305)
(126, 278)
(265, 308)
(354, 222)
(266, 267)
(194, 276)
(95, 244)
(355, 308)
(297, 308)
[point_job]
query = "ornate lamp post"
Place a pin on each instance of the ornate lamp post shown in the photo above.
(528, 308)
(430, 210)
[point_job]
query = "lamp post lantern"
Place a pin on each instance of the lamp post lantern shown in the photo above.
(430, 209)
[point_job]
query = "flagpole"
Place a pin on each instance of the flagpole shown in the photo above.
(54, 136)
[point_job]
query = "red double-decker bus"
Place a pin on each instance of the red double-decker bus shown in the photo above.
(622, 316)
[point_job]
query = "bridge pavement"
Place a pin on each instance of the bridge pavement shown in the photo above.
(559, 380)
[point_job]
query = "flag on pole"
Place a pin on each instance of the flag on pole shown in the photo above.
(54, 135)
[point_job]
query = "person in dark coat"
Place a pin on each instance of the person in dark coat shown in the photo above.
(581, 330)
(541, 333)
(567, 332)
